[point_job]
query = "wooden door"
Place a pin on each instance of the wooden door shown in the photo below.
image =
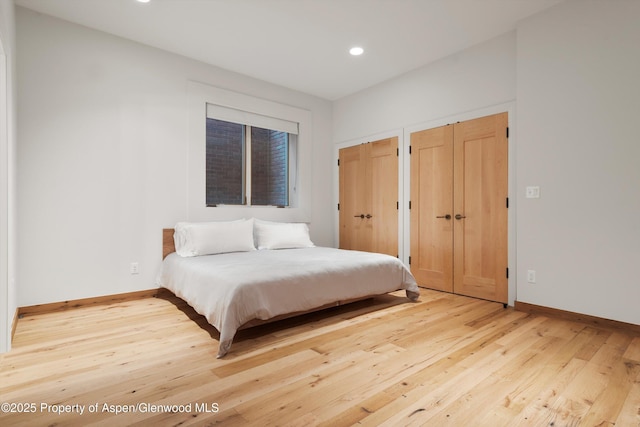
(480, 203)
(383, 173)
(353, 199)
(432, 207)
(461, 170)
(369, 196)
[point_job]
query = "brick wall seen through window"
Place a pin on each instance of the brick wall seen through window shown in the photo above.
(225, 165)
(269, 172)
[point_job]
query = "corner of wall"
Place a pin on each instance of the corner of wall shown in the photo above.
(8, 306)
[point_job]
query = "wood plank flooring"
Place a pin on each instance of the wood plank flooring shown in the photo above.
(445, 360)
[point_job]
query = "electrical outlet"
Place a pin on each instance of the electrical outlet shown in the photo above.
(134, 268)
(531, 276)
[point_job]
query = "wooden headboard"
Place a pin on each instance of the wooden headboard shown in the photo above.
(167, 242)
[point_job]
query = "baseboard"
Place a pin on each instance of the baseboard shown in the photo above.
(576, 317)
(67, 305)
(151, 293)
(16, 315)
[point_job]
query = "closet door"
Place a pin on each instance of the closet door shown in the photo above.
(369, 196)
(383, 166)
(480, 208)
(459, 177)
(354, 199)
(432, 207)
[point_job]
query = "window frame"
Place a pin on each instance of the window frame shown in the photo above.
(300, 173)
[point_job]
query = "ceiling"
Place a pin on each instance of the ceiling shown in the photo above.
(303, 44)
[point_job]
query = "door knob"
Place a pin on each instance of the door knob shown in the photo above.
(447, 216)
(458, 216)
(359, 216)
(369, 216)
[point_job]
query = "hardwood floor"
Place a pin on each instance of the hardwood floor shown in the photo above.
(445, 360)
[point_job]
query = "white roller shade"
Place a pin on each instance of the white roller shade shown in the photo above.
(252, 119)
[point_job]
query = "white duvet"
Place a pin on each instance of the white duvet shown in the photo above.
(234, 288)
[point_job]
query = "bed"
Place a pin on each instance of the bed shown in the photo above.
(234, 289)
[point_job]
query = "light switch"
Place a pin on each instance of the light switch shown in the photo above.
(533, 192)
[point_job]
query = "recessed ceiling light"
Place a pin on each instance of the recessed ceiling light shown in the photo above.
(355, 51)
(143, 1)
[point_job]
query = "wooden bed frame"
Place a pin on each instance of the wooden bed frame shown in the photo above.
(168, 246)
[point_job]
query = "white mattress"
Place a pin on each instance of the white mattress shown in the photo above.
(234, 288)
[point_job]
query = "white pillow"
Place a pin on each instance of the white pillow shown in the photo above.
(281, 235)
(208, 238)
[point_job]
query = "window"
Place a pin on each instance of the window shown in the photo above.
(225, 159)
(269, 167)
(249, 158)
(206, 101)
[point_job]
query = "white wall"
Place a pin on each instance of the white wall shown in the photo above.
(102, 152)
(473, 83)
(573, 73)
(476, 78)
(103, 157)
(578, 106)
(8, 276)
